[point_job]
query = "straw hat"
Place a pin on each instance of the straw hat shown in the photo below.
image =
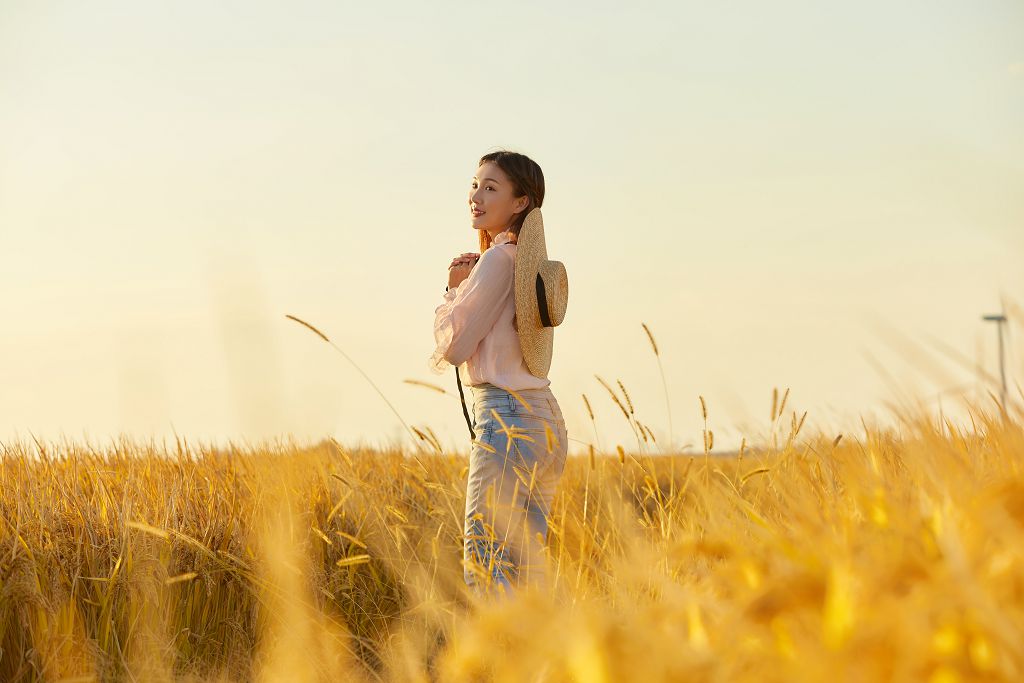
(541, 292)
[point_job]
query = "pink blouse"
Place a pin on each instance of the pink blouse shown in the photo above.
(473, 328)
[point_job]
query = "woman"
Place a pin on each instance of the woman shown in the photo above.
(521, 442)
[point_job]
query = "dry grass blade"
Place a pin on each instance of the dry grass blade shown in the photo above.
(309, 326)
(352, 561)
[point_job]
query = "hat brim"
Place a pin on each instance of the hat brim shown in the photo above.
(536, 340)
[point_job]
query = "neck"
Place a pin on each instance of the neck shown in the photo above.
(498, 232)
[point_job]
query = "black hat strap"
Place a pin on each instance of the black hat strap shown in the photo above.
(542, 302)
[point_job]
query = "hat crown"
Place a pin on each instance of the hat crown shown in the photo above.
(555, 291)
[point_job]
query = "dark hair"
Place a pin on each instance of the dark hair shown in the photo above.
(527, 179)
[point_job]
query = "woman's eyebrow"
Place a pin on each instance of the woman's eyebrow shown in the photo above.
(491, 179)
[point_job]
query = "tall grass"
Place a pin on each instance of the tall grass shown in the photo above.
(890, 555)
(871, 557)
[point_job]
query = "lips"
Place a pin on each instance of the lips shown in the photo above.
(479, 213)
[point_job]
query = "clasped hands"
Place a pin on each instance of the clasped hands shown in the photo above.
(460, 267)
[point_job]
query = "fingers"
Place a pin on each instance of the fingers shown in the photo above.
(464, 259)
(467, 266)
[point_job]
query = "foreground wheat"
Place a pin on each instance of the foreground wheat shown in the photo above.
(869, 559)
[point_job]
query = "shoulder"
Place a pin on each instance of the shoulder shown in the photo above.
(499, 253)
(496, 263)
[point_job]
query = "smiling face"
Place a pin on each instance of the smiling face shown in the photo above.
(492, 204)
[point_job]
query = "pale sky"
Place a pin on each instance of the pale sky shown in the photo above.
(824, 196)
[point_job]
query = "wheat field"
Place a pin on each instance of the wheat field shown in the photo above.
(889, 555)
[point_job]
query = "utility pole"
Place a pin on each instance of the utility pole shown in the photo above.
(999, 320)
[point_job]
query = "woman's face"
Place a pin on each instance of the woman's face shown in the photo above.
(490, 192)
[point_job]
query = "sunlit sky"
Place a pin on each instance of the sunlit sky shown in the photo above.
(822, 196)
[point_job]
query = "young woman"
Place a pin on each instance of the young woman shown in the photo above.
(520, 445)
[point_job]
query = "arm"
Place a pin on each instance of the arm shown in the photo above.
(470, 310)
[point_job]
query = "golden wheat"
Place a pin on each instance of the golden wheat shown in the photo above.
(883, 557)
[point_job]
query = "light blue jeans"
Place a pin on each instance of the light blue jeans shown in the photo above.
(514, 469)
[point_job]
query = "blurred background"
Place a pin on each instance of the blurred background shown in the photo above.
(826, 197)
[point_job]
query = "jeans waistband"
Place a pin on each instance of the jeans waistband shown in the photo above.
(488, 390)
(541, 401)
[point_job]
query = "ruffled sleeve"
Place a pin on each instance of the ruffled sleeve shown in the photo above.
(470, 310)
(443, 330)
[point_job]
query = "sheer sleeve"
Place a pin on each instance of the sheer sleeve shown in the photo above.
(470, 310)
